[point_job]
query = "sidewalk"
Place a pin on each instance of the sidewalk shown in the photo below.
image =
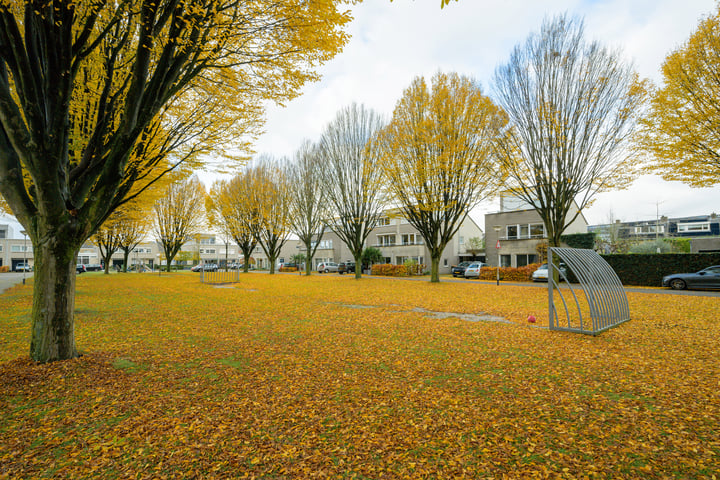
(10, 279)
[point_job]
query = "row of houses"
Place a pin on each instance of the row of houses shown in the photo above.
(397, 240)
(512, 235)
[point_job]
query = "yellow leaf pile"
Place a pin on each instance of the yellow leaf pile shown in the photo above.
(288, 376)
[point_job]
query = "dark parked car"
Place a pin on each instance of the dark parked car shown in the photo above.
(346, 267)
(93, 267)
(706, 278)
(459, 269)
(80, 268)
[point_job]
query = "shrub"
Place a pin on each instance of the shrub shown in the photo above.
(4, 269)
(509, 274)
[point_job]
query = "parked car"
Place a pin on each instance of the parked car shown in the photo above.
(210, 267)
(346, 267)
(541, 274)
(93, 267)
(459, 269)
(327, 267)
(23, 267)
(288, 267)
(706, 278)
(473, 270)
(80, 268)
(197, 268)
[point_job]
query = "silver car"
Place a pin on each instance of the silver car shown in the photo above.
(327, 267)
(473, 270)
(541, 274)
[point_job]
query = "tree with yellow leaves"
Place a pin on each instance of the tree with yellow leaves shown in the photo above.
(134, 222)
(269, 200)
(573, 107)
(230, 208)
(95, 95)
(439, 160)
(682, 129)
(179, 215)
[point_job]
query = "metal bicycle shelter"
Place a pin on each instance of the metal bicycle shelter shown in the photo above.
(599, 284)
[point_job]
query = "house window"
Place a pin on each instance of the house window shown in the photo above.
(281, 260)
(511, 231)
(693, 227)
(445, 262)
(462, 240)
(385, 240)
(410, 239)
(1, 247)
(537, 230)
(2, 233)
(644, 229)
(388, 260)
(525, 259)
(505, 261)
(383, 222)
(20, 248)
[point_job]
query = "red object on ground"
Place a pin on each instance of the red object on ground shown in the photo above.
(531, 319)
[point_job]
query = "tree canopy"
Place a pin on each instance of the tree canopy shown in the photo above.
(98, 99)
(439, 156)
(352, 177)
(682, 129)
(573, 106)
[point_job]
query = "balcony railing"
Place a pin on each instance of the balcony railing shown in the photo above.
(399, 244)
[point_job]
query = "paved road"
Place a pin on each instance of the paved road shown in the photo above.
(659, 291)
(9, 279)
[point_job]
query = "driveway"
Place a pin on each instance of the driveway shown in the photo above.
(10, 279)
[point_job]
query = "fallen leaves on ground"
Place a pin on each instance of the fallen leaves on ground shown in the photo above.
(289, 376)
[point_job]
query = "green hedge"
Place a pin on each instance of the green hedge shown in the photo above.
(648, 270)
(579, 240)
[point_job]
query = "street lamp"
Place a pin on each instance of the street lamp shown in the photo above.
(24, 254)
(497, 229)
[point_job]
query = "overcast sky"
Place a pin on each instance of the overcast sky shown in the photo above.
(394, 42)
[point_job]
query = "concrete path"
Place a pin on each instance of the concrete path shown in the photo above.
(10, 279)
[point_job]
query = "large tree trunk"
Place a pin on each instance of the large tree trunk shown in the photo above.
(126, 254)
(435, 267)
(358, 266)
(246, 265)
(53, 330)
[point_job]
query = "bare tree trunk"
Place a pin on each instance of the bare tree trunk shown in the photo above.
(53, 331)
(126, 254)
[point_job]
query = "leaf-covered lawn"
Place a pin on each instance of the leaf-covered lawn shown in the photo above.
(291, 377)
